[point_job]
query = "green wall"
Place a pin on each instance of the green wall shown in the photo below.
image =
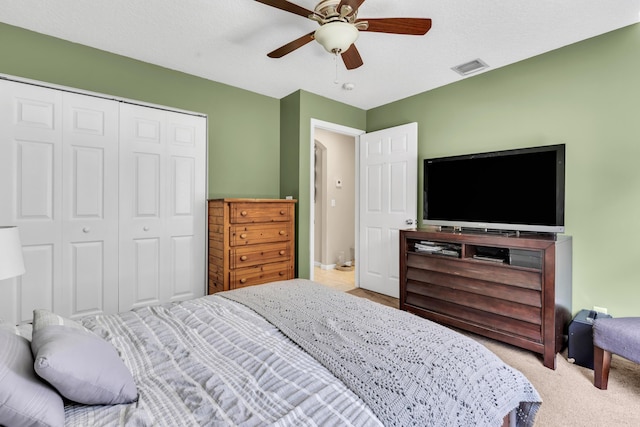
(244, 131)
(585, 95)
(296, 113)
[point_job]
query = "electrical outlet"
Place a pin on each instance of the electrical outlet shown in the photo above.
(600, 309)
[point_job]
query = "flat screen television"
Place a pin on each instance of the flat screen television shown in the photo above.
(515, 190)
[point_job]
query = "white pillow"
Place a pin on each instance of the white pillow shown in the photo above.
(83, 367)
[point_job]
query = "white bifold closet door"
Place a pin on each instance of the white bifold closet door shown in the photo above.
(162, 209)
(76, 191)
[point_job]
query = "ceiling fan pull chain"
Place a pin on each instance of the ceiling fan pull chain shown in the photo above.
(335, 61)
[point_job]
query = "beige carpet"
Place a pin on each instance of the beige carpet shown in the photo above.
(568, 395)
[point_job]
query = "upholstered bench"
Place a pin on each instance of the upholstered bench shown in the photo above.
(619, 336)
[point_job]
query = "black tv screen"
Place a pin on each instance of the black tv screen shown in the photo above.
(520, 190)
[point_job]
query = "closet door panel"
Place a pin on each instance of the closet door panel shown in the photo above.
(143, 259)
(90, 205)
(30, 173)
(163, 200)
(34, 289)
(146, 280)
(182, 266)
(187, 207)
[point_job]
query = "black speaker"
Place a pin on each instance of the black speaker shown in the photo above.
(581, 337)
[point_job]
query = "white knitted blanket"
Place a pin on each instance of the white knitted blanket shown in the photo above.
(409, 370)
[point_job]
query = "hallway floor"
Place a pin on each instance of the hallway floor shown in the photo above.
(345, 281)
(337, 279)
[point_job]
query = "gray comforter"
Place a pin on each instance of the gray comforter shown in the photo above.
(216, 362)
(409, 370)
(213, 362)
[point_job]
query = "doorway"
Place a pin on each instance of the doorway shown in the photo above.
(334, 204)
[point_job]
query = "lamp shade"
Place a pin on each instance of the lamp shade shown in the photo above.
(11, 262)
(336, 37)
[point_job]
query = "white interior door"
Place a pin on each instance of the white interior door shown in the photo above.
(30, 191)
(186, 205)
(162, 206)
(59, 184)
(90, 205)
(387, 203)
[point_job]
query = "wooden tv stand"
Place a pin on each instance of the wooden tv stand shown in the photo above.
(522, 298)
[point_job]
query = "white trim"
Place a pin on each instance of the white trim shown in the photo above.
(97, 94)
(345, 130)
(324, 266)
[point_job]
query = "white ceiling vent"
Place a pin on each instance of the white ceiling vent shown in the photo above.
(470, 67)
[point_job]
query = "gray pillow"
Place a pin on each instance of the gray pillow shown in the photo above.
(25, 400)
(83, 367)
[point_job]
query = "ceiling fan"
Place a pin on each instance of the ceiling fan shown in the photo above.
(340, 27)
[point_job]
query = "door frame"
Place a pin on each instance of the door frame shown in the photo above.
(344, 130)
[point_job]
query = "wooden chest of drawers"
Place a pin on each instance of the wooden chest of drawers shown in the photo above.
(251, 241)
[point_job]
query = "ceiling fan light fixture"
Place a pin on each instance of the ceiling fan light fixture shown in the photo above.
(337, 36)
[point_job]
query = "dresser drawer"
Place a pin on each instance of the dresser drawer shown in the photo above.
(258, 233)
(244, 213)
(260, 274)
(247, 256)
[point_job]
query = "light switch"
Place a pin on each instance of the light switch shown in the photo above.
(333, 203)
(339, 183)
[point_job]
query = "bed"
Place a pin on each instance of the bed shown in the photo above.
(289, 353)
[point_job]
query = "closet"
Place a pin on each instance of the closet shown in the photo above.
(109, 198)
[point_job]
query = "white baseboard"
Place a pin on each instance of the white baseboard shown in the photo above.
(324, 266)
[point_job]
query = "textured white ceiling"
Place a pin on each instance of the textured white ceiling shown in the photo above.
(228, 40)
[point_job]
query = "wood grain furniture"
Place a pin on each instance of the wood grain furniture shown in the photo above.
(520, 294)
(251, 241)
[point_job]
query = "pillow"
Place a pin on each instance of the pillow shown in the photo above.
(24, 398)
(44, 318)
(23, 330)
(83, 367)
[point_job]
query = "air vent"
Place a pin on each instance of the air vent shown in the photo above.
(470, 67)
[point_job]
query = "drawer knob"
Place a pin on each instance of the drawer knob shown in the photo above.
(282, 252)
(282, 212)
(243, 258)
(145, 228)
(282, 273)
(86, 229)
(243, 213)
(243, 281)
(243, 236)
(282, 232)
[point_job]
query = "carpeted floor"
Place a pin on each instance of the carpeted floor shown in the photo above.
(569, 397)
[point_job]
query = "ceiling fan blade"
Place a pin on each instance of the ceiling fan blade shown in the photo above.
(355, 4)
(411, 26)
(287, 7)
(291, 46)
(351, 58)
